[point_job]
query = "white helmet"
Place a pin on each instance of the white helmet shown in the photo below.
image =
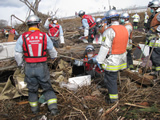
(124, 15)
(112, 14)
(81, 13)
(98, 20)
(154, 3)
(33, 19)
(12, 26)
(53, 18)
(89, 48)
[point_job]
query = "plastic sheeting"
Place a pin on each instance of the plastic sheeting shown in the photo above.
(7, 50)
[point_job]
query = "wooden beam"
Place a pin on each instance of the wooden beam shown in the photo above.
(146, 80)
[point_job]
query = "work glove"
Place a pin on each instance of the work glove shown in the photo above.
(90, 61)
(86, 37)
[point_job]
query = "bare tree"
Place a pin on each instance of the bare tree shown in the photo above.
(3, 23)
(34, 8)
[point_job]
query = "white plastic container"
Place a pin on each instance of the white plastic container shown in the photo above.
(81, 80)
(69, 86)
(8, 50)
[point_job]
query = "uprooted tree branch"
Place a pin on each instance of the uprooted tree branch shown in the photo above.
(34, 8)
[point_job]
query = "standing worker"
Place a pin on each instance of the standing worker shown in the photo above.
(124, 20)
(146, 17)
(153, 5)
(88, 23)
(112, 53)
(153, 36)
(55, 31)
(13, 31)
(98, 35)
(33, 45)
(6, 33)
(136, 20)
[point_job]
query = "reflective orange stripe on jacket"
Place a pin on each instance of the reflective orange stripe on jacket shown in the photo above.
(121, 39)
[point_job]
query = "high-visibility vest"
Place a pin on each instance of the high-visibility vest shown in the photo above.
(120, 41)
(53, 30)
(90, 20)
(34, 46)
(12, 31)
(154, 23)
(89, 67)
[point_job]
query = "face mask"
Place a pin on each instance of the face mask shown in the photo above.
(55, 21)
(122, 20)
(90, 55)
(152, 11)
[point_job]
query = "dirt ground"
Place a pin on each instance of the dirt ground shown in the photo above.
(136, 101)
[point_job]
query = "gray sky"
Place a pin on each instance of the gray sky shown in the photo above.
(65, 7)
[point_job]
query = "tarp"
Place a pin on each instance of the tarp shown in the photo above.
(141, 49)
(9, 91)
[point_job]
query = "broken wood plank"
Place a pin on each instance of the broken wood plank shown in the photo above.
(110, 109)
(22, 102)
(139, 78)
(11, 37)
(8, 67)
(134, 105)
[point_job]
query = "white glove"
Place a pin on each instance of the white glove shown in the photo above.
(61, 39)
(19, 58)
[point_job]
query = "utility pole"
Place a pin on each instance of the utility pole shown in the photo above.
(109, 5)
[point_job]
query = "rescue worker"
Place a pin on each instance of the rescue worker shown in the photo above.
(112, 53)
(55, 31)
(98, 35)
(153, 40)
(33, 45)
(91, 66)
(13, 31)
(6, 33)
(153, 5)
(124, 20)
(136, 19)
(146, 17)
(88, 23)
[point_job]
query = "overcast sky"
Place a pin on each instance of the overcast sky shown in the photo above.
(65, 7)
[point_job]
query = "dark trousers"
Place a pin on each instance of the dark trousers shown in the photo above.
(110, 81)
(91, 34)
(155, 58)
(129, 59)
(36, 75)
(55, 42)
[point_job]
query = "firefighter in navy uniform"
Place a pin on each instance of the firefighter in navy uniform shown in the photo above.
(153, 40)
(124, 20)
(33, 46)
(112, 53)
(88, 23)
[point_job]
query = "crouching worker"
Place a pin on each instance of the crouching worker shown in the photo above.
(33, 45)
(91, 66)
